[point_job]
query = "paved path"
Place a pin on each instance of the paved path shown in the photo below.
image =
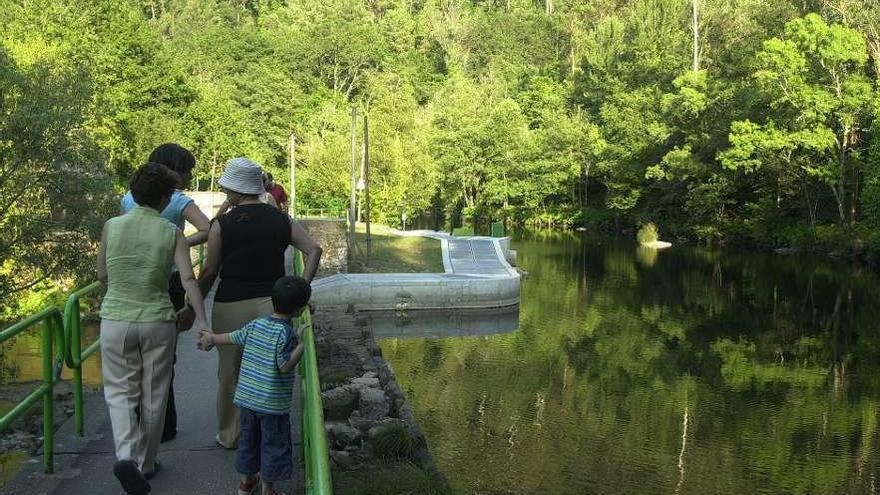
(192, 463)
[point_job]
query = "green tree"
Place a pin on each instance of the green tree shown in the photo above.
(815, 83)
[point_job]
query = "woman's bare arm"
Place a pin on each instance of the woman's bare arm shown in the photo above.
(211, 266)
(310, 249)
(188, 280)
(194, 215)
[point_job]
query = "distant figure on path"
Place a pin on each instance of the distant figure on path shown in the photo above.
(277, 192)
(266, 197)
(246, 249)
(138, 331)
(181, 208)
(271, 350)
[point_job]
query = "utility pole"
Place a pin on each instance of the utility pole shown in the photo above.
(292, 157)
(367, 182)
(213, 178)
(351, 205)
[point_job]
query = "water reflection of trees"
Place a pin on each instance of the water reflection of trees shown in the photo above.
(770, 362)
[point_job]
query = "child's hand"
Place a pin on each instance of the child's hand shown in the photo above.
(206, 340)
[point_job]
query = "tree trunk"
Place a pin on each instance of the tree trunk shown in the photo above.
(696, 29)
(548, 7)
(572, 53)
(840, 192)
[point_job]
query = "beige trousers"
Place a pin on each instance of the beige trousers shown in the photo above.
(136, 360)
(228, 317)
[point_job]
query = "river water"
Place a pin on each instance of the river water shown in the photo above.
(688, 371)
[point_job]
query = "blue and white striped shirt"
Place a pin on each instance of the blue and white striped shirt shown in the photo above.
(262, 386)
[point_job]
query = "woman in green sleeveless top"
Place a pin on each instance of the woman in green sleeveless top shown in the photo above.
(138, 331)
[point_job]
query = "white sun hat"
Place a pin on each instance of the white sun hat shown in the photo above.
(242, 176)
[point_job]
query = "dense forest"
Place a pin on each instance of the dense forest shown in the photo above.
(721, 121)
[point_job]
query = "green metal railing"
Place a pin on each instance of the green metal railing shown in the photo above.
(53, 331)
(314, 440)
(322, 212)
(497, 229)
(73, 334)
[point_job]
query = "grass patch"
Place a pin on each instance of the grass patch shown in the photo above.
(648, 233)
(393, 254)
(463, 231)
(396, 442)
(404, 479)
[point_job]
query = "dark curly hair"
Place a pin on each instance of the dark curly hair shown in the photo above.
(173, 156)
(152, 183)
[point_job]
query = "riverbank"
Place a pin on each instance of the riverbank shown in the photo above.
(376, 445)
(24, 438)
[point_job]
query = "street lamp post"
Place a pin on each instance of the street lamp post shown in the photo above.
(292, 158)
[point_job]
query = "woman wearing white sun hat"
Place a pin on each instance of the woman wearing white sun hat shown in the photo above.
(246, 249)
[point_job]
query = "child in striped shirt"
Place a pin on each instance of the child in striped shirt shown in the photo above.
(265, 385)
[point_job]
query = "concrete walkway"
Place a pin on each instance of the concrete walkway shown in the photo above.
(477, 275)
(191, 463)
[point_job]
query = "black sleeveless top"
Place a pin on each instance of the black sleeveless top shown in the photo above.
(254, 237)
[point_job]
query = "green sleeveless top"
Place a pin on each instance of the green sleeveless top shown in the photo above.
(140, 252)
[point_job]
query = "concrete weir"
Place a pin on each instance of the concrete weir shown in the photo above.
(477, 275)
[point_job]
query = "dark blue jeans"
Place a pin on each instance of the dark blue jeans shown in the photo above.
(265, 446)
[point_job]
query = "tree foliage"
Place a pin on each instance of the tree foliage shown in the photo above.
(572, 112)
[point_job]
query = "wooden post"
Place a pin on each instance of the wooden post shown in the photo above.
(292, 158)
(367, 182)
(351, 205)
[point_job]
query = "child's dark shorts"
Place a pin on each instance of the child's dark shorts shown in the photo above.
(265, 446)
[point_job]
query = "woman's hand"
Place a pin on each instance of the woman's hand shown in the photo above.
(206, 340)
(185, 318)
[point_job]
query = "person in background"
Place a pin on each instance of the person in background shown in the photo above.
(271, 350)
(180, 209)
(246, 249)
(138, 331)
(277, 192)
(266, 197)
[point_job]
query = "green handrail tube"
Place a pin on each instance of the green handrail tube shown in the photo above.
(73, 333)
(52, 329)
(315, 452)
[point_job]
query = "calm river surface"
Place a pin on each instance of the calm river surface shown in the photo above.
(686, 371)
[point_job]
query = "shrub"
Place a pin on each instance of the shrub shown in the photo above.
(647, 233)
(396, 442)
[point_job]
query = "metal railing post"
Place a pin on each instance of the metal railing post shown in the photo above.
(48, 399)
(73, 345)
